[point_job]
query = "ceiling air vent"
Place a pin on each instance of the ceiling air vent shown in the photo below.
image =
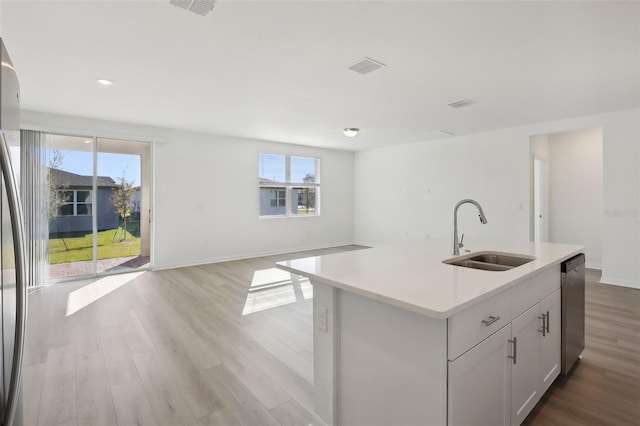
(440, 134)
(461, 103)
(199, 7)
(366, 66)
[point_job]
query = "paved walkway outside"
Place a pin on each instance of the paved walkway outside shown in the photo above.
(71, 269)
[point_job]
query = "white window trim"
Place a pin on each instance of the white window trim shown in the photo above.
(288, 187)
(75, 202)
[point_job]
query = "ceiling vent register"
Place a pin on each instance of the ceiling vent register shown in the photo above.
(199, 7)
(366, 66)
(461, 103)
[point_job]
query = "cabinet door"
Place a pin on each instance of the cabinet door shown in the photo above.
(550, 354)
(526, 330)
(480, 383)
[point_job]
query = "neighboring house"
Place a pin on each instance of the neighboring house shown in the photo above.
(273, 200)
(75, 213)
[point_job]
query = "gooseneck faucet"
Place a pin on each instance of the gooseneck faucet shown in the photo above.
(483, 219)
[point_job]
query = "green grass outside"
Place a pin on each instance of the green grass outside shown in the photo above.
(80, 245)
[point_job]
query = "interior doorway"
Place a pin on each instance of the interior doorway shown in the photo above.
(98, 206)
(540, 190)
(567, 190)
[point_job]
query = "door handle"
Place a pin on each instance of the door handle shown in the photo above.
(547, 321)
(15, 212)
(544, 328)
(515, 350)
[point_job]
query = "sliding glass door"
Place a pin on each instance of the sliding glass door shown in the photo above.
(123, 210)
(98, 206)
(70, 206)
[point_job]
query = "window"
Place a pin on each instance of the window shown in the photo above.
(289, 185)
(277, 197)
(76, 202)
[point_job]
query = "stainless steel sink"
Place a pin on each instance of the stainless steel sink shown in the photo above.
(490, 261)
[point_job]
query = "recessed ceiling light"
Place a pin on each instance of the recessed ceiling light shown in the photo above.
(350, 132)
(104, 82)
(88, 141)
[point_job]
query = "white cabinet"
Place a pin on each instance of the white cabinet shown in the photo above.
(499, 380)
(525, 370)
(480, 383)
(550, 354)
(536, 333)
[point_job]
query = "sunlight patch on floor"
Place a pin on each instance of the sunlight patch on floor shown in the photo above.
(86, 295)
(274, 287)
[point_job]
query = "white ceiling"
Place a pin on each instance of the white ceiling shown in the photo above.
(277, 70)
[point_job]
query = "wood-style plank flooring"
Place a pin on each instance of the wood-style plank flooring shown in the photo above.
(604, 387)
(173, 347)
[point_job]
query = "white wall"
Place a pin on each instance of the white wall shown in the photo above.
(392, 202)
(206, 193)
(207, 201)
(575, 191)
(406, 192)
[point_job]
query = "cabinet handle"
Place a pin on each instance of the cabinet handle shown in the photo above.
(515, 349)
(544, 327)
(547, 321)
(490, 321)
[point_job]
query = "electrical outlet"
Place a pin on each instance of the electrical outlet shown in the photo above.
(321, 318)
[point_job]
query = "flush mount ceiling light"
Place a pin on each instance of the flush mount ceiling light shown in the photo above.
(104, 82)
(350, 132)
(88, 141)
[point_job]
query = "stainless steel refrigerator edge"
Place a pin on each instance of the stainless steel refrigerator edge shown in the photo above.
(572, 283)
(12, 250)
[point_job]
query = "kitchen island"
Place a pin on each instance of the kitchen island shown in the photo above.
(402, 338)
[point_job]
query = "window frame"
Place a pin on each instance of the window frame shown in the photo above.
(74, 202)
(289, 186)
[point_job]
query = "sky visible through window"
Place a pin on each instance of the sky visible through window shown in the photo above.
(112, 165)
(273, 166)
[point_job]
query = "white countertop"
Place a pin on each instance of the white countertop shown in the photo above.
(413, 277)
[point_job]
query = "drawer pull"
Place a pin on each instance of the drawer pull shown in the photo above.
(515, 349)
(490, 321)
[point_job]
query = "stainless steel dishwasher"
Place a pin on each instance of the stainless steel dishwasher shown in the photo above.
(572, 284)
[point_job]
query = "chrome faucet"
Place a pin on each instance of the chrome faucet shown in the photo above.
(483, 219)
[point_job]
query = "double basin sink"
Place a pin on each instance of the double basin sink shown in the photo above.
(491, 261)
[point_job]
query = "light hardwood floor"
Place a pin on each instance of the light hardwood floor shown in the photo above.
(173, 347)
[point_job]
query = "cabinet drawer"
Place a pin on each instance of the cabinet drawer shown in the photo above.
(531, 291)
(475, 324)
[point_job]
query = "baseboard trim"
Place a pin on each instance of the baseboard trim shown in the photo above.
(317, 421)
(207, 261)
(619, 282)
